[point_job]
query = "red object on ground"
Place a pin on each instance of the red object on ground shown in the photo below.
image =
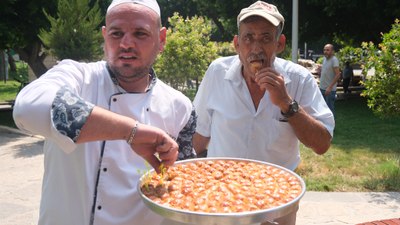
(395, 221)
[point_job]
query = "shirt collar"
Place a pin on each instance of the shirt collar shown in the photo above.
(153, 77)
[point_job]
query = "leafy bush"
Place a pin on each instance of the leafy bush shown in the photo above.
(383, 89)
(188, 51)
(225, 49)
(350, 54)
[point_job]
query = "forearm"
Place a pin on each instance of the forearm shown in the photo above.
(310, 132)
(335, 80)
(105, 125)
(200, 143)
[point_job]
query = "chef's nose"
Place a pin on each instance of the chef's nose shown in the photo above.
(127, 41)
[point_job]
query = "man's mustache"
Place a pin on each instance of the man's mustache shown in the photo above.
(256, 57)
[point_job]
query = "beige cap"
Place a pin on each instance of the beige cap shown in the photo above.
(152, 4)
(263, 9)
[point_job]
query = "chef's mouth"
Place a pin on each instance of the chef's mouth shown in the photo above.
(125, 57)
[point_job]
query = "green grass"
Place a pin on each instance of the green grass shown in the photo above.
(9, 89)
(364, 155)
(8, 92)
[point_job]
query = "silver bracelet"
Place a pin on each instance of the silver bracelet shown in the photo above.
(133, 132)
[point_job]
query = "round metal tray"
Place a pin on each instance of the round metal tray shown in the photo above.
(241, 218)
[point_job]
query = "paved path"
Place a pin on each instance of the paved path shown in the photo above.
(21, 169)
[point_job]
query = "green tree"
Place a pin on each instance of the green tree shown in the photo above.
(188, 51)
(19, 25)
(353, 55)
(222, 13)
(75, 33)
(351, 22)
(342, 22)
(383, 89)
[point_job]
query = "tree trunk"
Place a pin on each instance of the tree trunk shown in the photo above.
(219, 26)
(34, 56)
(2, 66)
(11, 62)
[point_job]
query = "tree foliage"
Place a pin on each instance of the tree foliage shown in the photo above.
(19, 27)
(383, 86)
(342, 22)
(345, 22)
(188, 51)
(75, 33)
(383, 89)
(222, 13)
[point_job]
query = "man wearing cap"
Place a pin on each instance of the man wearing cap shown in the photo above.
(105, 122)
(255, 105)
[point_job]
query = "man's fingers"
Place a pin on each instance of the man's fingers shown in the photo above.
(154, 162)
(168, 158)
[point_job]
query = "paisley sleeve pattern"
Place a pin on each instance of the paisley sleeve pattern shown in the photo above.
(184, 140)
(69, 113)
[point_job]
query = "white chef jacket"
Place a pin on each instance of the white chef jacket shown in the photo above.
(226, 113)
(70, 182)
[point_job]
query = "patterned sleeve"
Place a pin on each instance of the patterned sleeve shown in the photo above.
(69, 113)
(184, 140)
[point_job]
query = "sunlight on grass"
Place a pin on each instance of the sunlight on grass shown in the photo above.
(358, 170)
(363, 159)
(8, 90)
(364, 155)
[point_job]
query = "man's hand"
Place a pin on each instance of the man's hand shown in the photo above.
(155, 146)
(328, 91)
(270, 80)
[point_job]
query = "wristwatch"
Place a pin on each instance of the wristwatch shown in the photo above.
(293, 109)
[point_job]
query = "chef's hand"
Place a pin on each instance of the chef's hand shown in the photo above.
(150, 141)
(270, 80)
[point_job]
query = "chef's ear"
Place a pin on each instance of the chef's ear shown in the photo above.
(163, 38)
(281, 44)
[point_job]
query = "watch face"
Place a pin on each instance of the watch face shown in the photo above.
(294, 106)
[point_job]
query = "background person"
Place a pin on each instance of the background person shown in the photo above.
(103, 121)
(257, 106)
(330, 74)
(347, 75)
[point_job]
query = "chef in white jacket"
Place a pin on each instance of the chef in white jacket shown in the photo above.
(106, 123)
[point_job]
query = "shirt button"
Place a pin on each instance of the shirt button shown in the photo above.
(105, 169)
(114, 99)
(99, 207)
